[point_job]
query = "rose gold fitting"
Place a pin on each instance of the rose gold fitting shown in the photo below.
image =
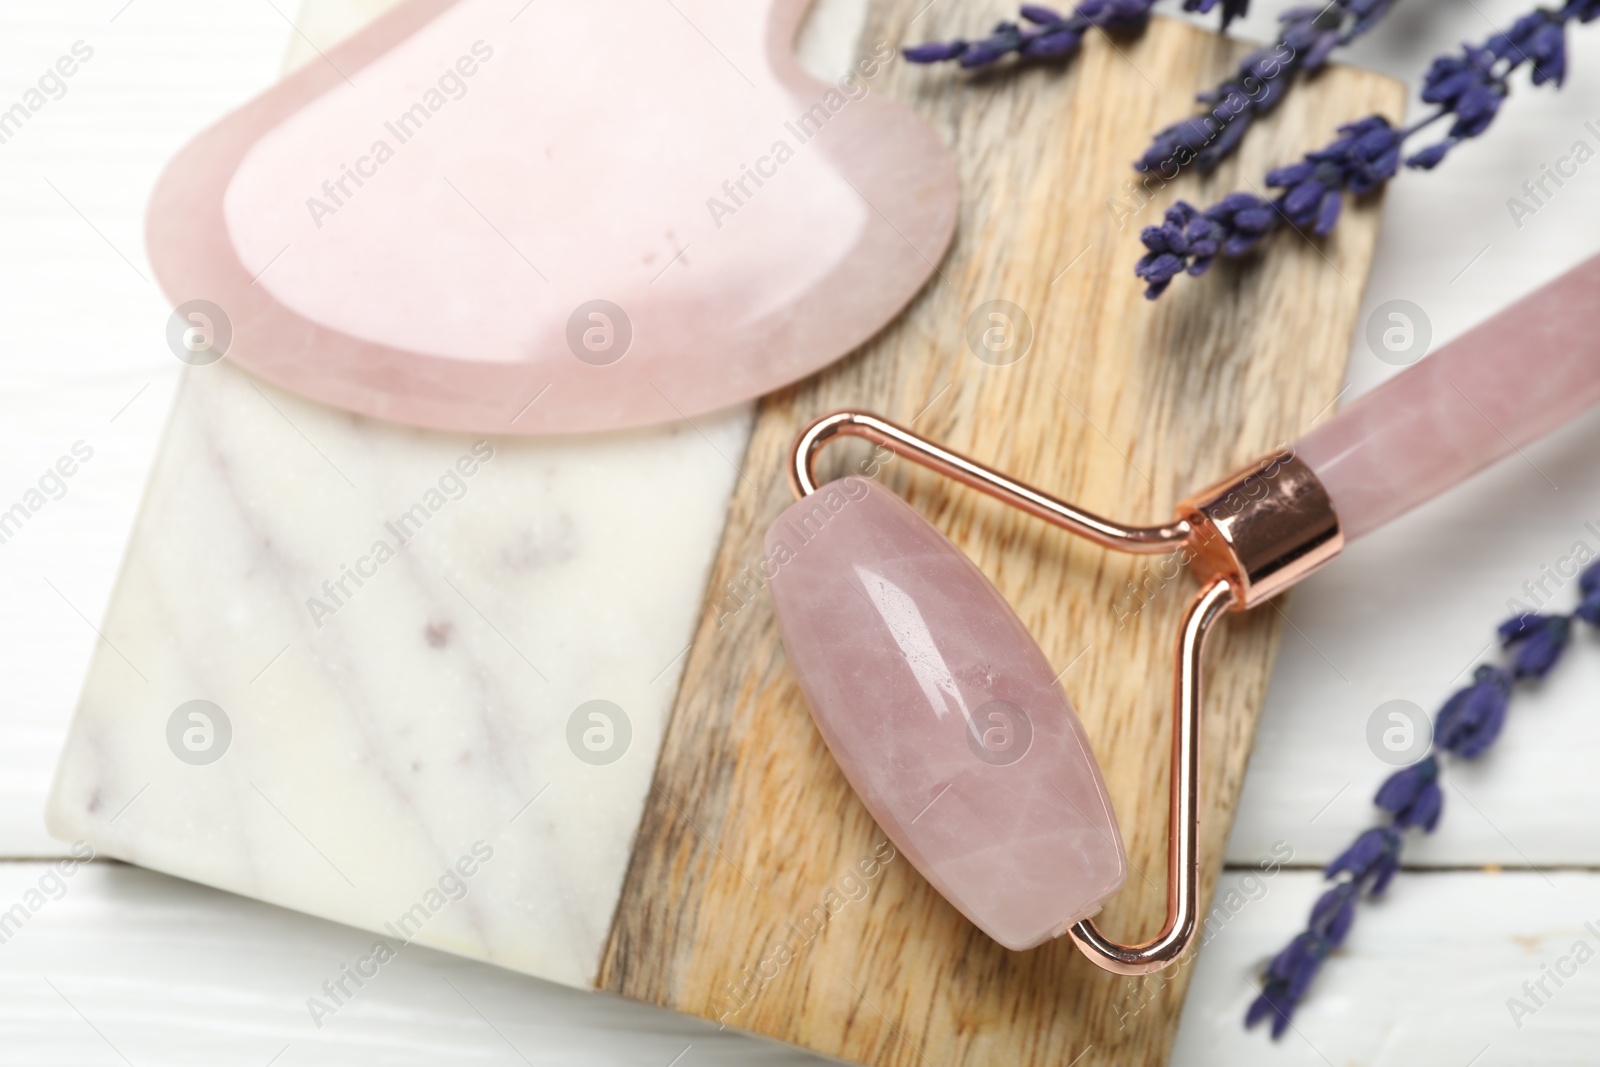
(1247, 538)
(1263, 528)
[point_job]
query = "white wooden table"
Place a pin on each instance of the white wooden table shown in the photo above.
(116, 964)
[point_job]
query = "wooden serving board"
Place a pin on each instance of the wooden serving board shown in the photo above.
(1120, 405)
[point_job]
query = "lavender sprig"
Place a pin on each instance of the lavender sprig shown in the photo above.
(1467, 88)
(1465, 727)
(1051, 35)
(1307, 36)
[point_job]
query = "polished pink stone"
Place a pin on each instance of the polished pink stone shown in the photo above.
(943, 713)
(1477, 400)
(633, 212)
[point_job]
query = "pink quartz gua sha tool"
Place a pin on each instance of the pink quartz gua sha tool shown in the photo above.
(631, 213)
(945, 715)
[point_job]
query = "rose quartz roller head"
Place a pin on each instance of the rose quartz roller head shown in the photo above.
(946, 717)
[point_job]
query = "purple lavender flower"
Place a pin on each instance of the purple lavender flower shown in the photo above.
(1333, 914)
(1117, 14)
(1375, 854)
(1006, 37)
(1412, 795)
(1296, 965)
(1538, 38)
(1187, 241)
(1287, 979)
(935, 51)
(1049, 35)
(1432, 156)
(1364, 158)
(1208, 138)
(1471, 719)
(1471, 86)
(1184, 142)
(1589, 581)
(1057, 44)
(1231, 9)
(1367, 12)
(1467, 88)
(1424, 812)
(1539, 641)
(1270, 1002)
(1313, 32)
(1466, 726)
(1307, 35)
(1244, 220)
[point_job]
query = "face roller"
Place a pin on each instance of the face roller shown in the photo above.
(945, 715)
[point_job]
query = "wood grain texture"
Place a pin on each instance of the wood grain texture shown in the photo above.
(1119, 405)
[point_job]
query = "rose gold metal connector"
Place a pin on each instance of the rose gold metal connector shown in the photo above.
(1246, 539)
(1262, 528)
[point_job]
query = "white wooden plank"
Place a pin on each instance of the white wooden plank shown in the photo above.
(131, 966)
(168, 972)
(1423, 980)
